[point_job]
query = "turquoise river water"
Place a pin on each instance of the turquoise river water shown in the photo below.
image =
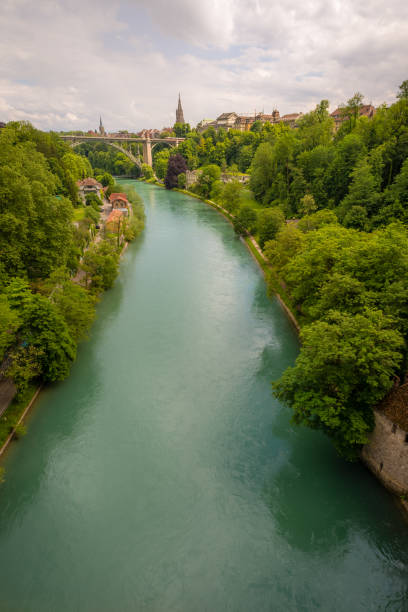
(162, 475)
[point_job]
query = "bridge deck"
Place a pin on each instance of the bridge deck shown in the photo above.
(172, 139)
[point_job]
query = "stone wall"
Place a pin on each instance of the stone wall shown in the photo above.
(386, 454)
(191, 177)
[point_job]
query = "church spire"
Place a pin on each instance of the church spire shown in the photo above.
(179, 112)
(101, 128)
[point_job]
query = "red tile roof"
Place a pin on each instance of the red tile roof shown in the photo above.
(88, 182)
(118, 196)
(112, 221)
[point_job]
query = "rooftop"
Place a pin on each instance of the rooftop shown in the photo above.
(118, 196)
(114, 216)
(88, 182)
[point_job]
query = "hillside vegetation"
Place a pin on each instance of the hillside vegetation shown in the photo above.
(50, 270)
(330, 210)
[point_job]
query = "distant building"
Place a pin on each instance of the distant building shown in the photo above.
(226, 120)
(88, 185)
(204, 124)
(243, 123)
(153, 133)
(2, 125)
(114, 221)
(290, 119)
(179, 112)
(367, 110)
(118, 200)
(101, 128)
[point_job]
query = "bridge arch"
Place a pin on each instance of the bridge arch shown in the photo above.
(171, 145)
(113, 140)
(115, 145)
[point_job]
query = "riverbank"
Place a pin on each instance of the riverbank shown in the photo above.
(18, 409)
(12, 419)
(274, 282)
(256, 252)
(164, 452)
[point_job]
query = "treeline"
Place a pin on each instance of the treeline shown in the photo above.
(349, 289)
(104, 158)
(50, 271)
(330, 210)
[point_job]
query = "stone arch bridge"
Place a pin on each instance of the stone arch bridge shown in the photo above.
(118, 141)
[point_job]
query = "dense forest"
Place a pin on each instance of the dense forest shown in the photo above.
(330, 211)
(51, 270)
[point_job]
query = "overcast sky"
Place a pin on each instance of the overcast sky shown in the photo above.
(64, 62)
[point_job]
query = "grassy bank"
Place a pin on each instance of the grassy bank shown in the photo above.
(14, 412)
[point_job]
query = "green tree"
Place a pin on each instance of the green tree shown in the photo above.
(181, 180)
(363, 191)
(262, 172)
(231, 195)
(357, 218)
(208, 176)
(45, 329)
(307, 205)
(245, 157)
(9, 324)
(100, 264)
(256, 126)
(345, 366)
(147, 171)
(247, 217)
(318, 219)
(403, 91)
(76, 305)
(25, 366)
(269, 223)
(160, 162)
(106, 179)
(289, 242)
(181, 129)
(351, 110)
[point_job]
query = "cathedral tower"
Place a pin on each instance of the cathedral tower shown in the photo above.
(101, 128)
(179, 112)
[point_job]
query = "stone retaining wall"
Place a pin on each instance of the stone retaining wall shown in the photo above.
(386, 454)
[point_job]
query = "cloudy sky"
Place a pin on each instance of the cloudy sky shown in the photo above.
(64, 62)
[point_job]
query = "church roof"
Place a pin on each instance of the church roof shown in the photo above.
(179, 112)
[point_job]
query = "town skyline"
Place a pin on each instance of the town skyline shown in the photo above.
(65, 62)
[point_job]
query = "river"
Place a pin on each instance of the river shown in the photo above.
(162, 475)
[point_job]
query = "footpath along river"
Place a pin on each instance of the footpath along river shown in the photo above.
(162, 475)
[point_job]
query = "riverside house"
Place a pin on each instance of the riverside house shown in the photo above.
(114, 221)
(88, 185)
(119, 201)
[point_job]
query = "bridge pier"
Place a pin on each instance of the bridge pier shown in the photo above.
(147, 152)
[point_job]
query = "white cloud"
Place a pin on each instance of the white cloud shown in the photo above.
(65, 62)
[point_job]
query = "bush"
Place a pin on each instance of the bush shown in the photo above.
(181, 180)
